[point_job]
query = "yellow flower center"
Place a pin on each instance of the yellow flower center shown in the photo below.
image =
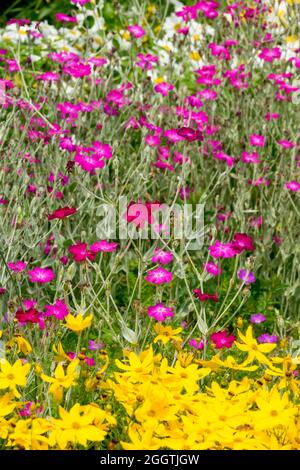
(75, 425)
(10, 377)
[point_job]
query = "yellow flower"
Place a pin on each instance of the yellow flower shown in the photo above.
(61, 379)
(13, 375)
(61, 356)
(141, 439)
(79, 425)
(158, 406)
(139, 367)
(78, 323)
(22, 344)
(274, 410)
(230, 363)
(253, 348)
(189, 376)
(166, 333)
(28, 434)
(6, 405)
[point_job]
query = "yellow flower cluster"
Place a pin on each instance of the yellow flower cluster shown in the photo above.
(165, 408)
(184, 403)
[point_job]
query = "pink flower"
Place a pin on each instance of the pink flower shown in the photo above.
(77, 69)
(266, 338)
(212, 269)
(161, 256)
(159, 312)
(269, 55)
(89, 361)
(17, 267)
(257, 318)
(286, 144)
(152, 140)
(48, 77)
(222, 250)
(246, 276)
(241, 242)
(136, 30)
(250, 157)
(159, 276)
(80, 252)
(65, 18)
(103, 245)
(59, 310)
(164, 88)
(194, 343)
(204, 297)
(30, 315)
(184, 193)
(257, 140)
(221, 339)
(293, 186)
(41, 275)
(94, 346)
(270, 116)
(146, 60)
(62, 213)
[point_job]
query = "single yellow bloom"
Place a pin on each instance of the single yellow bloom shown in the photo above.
(78, 323)
(13, 375)
(166, 333)
(253, 348)
(62, 379)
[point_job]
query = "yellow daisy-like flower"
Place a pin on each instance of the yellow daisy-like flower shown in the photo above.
(253, 348)
(166, 333)
(14, 375)
(78, 323)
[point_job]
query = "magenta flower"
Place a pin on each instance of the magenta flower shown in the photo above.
(270, 116)
(77, 69)
(266, 338)
(246, 276)
(269, 55)
(164, 88)
(250, 157)
(80, 252)
(221, 339)
(257, 318)
(136, 30)
(62, 213)
(204, 297)
(41, 275)
(94, 346)
(286, 144)
(146, 61)
(293, 186)
(162, 257)
(17, 267)
(222, 250)
(212, 268)
(194, 343)
(160, 312)
(48, 77)
(103, 245)
(159, 276)
(241, 242)
(65, 18)
(59, 310)
(257, 140)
